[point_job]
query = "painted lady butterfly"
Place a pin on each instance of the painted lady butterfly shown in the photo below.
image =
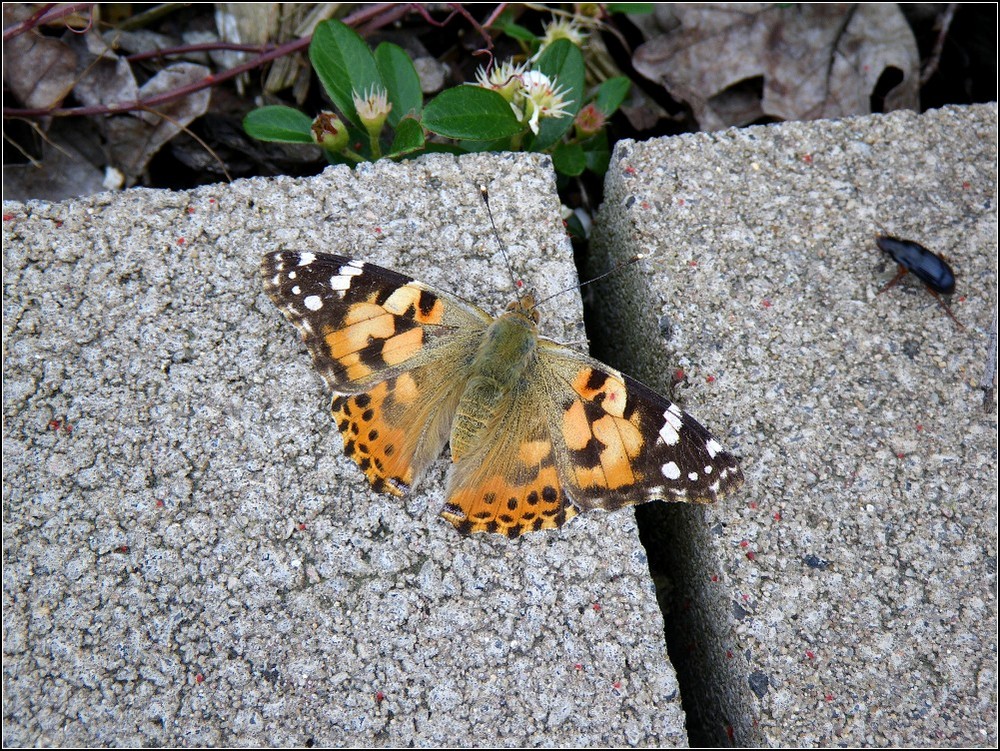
(538, 432)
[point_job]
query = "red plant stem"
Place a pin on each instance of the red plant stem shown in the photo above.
(185, 49)
(45, 15)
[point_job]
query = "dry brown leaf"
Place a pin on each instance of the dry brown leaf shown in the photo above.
(40, 71)
(62, 173)
(133, 140)
(103, 77)
(734, 64)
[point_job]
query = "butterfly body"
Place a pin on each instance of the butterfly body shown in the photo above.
(537, 432)
(499, 375)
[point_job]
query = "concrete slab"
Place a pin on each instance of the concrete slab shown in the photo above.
(188, 557)
(848, 595)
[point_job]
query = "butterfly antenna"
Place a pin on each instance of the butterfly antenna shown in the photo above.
(503, 250)
(613, 270)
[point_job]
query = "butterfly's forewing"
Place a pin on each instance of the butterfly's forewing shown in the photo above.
(394, 352)
(625, 444)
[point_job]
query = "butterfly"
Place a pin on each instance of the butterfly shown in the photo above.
(537, 431)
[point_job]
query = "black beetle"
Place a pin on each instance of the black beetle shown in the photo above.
(926, 265)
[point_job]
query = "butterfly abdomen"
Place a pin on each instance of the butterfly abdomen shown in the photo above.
(505, 355)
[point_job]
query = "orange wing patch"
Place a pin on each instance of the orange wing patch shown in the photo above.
(376, 445)
(512, 489)
(604, 444)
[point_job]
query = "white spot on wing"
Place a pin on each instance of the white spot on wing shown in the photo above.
(671, 471)
(313, 302)
(672, 421)
(713, 447)
(296, 290)
(692, 476)
(342, 281)
(306, 258)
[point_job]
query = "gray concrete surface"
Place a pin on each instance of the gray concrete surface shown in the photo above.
(188, 557)
(847, 597)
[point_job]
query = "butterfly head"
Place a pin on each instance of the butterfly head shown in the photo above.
(525, 306)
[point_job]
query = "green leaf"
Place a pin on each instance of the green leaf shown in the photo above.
(401, 81)
(409, 137)
(279, 123)
(569, 159)
(500, 144)
(597, 152)
(636, 9)
(575, 228)
(611, 94)
(563, 61)
(344, 65)
(516, 31)
(470, 113)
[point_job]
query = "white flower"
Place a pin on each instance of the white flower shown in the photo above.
(540, 97)
(561, 28)
(373, 107)
(505, 79)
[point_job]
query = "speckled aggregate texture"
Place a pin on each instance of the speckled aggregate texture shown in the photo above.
(189, 559)
(847, 596)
